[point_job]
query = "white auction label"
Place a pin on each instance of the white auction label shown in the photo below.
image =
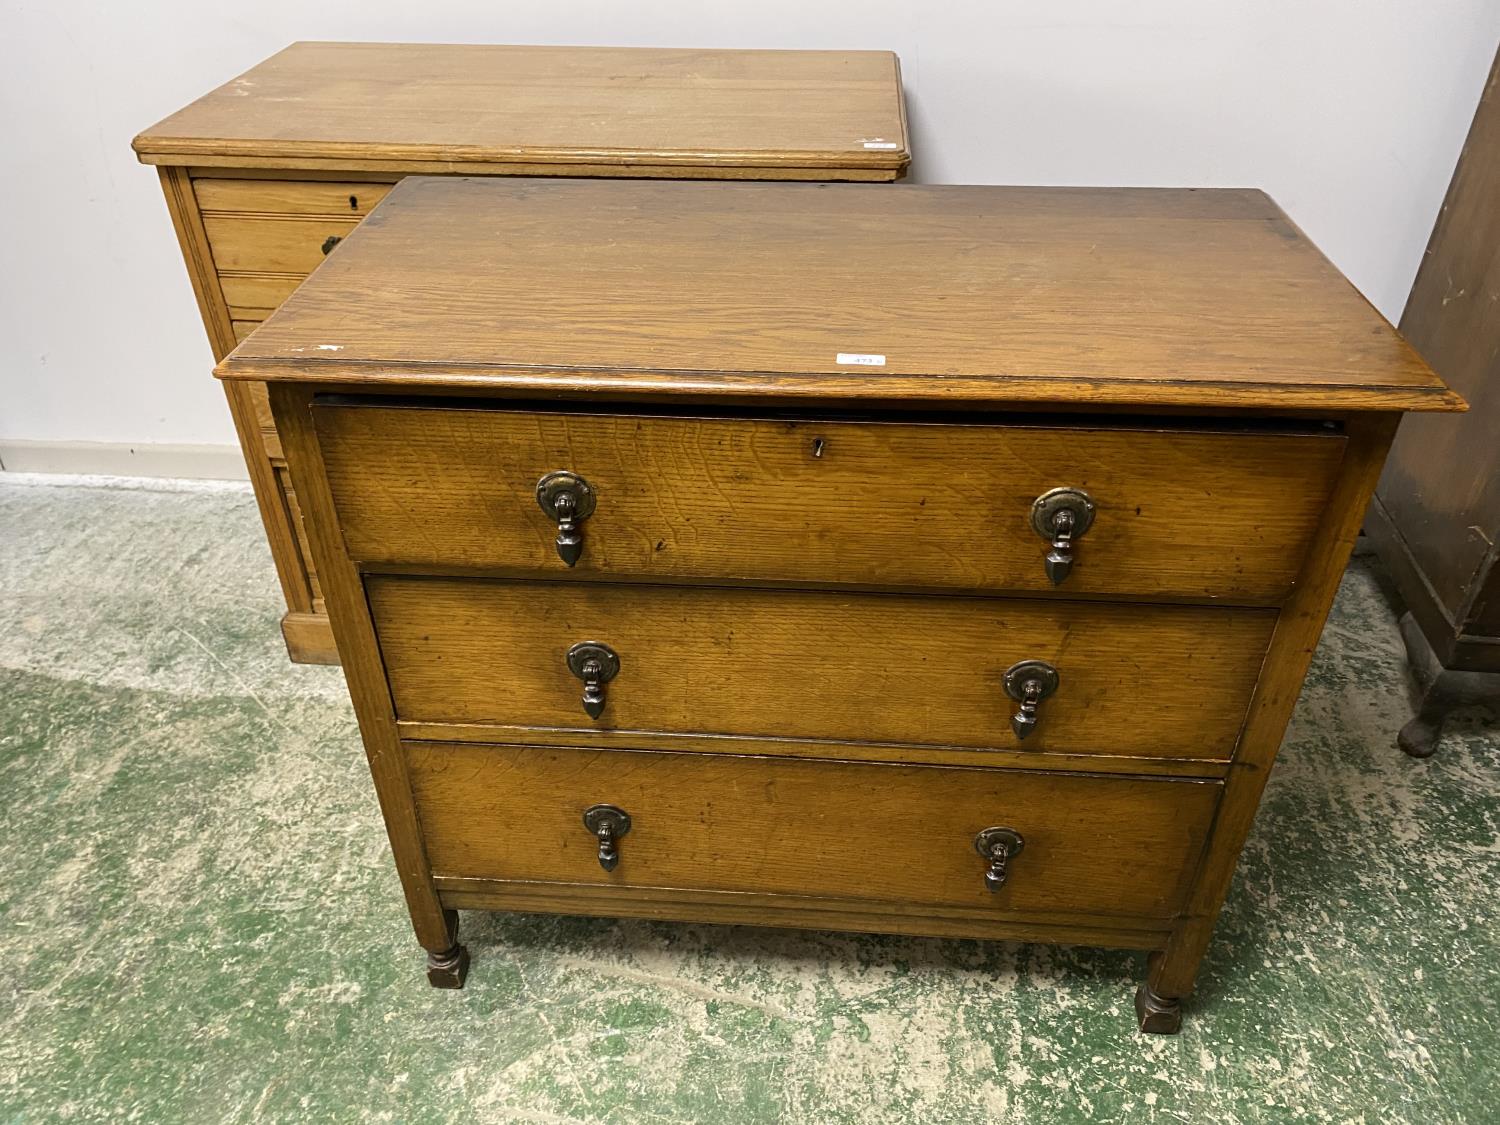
(862, 359)
(888, 146)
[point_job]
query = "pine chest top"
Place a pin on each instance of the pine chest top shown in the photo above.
(1132, 298)
(442, 108)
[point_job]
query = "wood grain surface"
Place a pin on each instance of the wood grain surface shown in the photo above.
(1164, 681)
(1126, 297)
(1193, 513)
(900, 834)
(394, 103)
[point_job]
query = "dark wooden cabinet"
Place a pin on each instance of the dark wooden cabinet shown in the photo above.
(1436, 516)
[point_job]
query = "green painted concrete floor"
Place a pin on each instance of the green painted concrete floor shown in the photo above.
(201, 922)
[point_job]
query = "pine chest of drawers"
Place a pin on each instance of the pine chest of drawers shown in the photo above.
(936, 560)
(266, 175)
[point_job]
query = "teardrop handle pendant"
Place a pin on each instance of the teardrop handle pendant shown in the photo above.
(608, 823)
(595, 664)
(1061, 516)
(569, 500)
(1028, 683)
(999, 845)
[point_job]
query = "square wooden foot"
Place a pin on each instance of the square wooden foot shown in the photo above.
(309, 638)
(449, 969)
(1157, 1015)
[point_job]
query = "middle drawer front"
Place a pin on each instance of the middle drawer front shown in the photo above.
(1147, 681)
(259, 244)
(1089, 845)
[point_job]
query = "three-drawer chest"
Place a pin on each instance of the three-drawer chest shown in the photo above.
(266, 175)
(932, 560)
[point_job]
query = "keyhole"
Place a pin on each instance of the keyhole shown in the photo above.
(817, 449)
(354, 203)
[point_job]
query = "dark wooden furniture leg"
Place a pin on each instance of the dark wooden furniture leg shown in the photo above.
(1420, 736)
(1156, 1015)
(1443, 691)
(449, 968)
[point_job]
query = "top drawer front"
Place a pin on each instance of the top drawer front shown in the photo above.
(1179, 513)
(279, 226)
(289, 197)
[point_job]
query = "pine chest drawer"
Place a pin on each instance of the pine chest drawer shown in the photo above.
(693, 555)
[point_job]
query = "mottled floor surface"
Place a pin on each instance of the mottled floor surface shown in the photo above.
(201, 922)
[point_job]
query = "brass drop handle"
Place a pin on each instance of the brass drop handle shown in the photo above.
(595, 664)
(569, 500)
(608, 823)
(1061, 516)
(999, 845)
(330, 242)
(1029, 682)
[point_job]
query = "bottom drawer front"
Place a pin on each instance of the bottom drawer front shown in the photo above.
(260, 400)
(299, 532)
(253, 296)
(840, 830)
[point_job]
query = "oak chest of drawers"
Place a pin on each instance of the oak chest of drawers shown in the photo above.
(266, 175)
(936, 560)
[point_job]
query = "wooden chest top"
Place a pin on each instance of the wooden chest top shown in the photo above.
(1139, 298)
(351, 105)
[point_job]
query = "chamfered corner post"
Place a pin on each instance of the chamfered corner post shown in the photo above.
(1171, 972)
(435, 924)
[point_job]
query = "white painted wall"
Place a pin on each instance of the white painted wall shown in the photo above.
(1350, 112)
